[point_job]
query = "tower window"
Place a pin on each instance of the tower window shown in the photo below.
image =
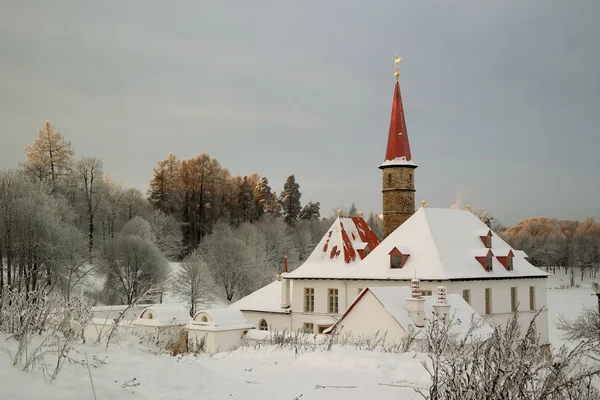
(389, 179)
(395, 261)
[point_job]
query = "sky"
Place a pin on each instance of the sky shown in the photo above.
(502, 98)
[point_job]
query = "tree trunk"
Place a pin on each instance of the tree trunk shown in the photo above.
(91, 233)
(1, 275)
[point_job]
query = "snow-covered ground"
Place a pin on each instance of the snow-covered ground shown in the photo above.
(246, 373)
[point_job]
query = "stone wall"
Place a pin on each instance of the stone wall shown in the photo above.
(398, 197)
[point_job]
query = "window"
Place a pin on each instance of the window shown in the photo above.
(514, 300)
(488, 241)
(532, 298)
(150, 316)
(395, 261)
(467, 295)
(488, 301)
(309, 299)
(389, 179)
(204, 318)
(321, 328)
(308, 327)
(366, 252)
(425, 292)
(332, 301)
(509, 263)
(262, 325)
(488, 262)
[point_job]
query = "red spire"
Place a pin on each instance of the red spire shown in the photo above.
(398, 148)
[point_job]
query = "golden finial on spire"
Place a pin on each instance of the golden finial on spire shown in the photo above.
(396, 74)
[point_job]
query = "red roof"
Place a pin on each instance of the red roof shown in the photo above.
(397, 145)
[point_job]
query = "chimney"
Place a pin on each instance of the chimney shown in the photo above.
(416, 304)
(285, 264)
(442, 308)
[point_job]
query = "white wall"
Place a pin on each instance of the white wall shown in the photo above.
(275, 321)
(501, 305)
(216, 341)
(368, 317)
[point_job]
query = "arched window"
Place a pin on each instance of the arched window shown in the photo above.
(150, 316)
(204, 318)
(263, 326)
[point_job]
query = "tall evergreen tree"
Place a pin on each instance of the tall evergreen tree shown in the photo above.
(290, 200)
(50, 156)
(245, 200)
(262, 198)
(311, 211)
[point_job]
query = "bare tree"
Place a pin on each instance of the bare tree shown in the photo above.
(167, 233)
(88, 172)
(192, 281)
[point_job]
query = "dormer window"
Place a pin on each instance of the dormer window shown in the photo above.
(398, 257)
(509, 262)
(487, 240)
(489, 259)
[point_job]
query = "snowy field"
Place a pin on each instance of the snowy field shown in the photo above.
(246, 373)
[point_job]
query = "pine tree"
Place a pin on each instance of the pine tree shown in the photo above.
(262, 198)
(290, 200)
(50, 156)
(245, 200)
(311, 211)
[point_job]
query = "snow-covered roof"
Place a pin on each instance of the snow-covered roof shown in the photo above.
(394, 300)
(163, 315)
(343, 245)
(266, 299)
(398, 161)
(219, 319)
(442, 245)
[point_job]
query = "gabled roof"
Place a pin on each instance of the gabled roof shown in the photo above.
(266, 299)
(342, 245)
(398, 148)
(442, 244)
(394, 301)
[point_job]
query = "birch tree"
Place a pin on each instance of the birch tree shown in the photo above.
(192, 282)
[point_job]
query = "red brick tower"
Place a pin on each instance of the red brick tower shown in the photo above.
(398, 169)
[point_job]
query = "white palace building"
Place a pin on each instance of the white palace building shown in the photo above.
(439, 247)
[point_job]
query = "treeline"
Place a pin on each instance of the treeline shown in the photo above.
(550, 242)
(66, 227)
(198, 192)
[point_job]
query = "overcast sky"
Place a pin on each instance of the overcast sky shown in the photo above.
(502, 98)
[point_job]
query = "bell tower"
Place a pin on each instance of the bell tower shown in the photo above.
(397, 169)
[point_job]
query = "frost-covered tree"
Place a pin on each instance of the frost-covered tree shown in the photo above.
(228, 261)
(192, 282)
(290, 200)
(508, 365)
(376, 225)
(263, 198)
(88, 181)
(50, 156)
(167, 234)
(133, 262)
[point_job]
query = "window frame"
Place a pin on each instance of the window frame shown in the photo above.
(308, 327)
(309, 300)
(488, 301)
(509, 263)
(514, 299)
(261, 326)
(333, 304)
(398, 258)
(532, 298)
(467, 298)
(489, 262)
